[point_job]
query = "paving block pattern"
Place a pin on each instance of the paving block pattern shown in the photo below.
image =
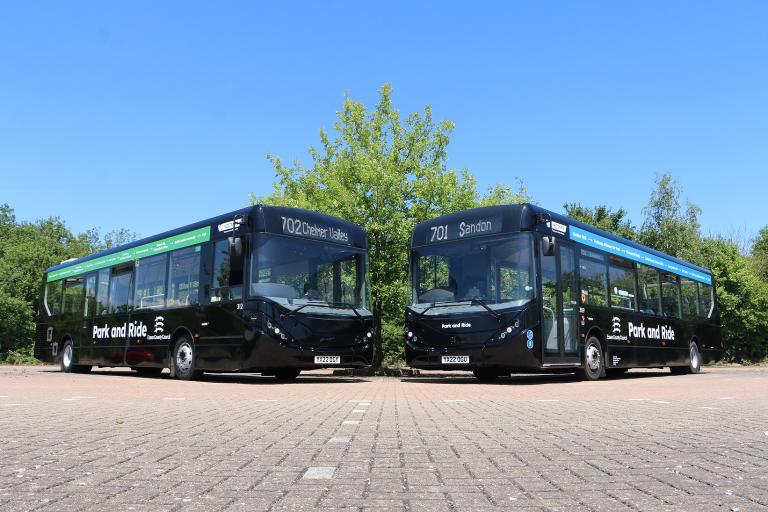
(112, 441)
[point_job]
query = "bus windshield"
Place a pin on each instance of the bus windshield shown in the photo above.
(314, 276)
(496, 273)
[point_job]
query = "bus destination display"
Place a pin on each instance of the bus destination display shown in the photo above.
(464, 229)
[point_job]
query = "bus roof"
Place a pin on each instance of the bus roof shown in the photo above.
(508, 218)
(262, 218)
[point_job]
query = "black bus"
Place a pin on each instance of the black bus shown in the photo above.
(263, 289)
(514, 288)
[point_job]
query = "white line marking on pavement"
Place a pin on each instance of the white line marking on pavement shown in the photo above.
(318, 473)
(339, 439)
(453, 401)
(77, 398)
(712, 408)
(766, 432)
(660, 402)
(726, 398)
(639, 399)
(264, 400)
(10, 405)
(359, 411)
(3, 396)
(350, 422)
(548, 400)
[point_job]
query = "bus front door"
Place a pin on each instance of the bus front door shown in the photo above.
(560, 313)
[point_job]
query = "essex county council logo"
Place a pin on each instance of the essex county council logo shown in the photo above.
(159, 324)
(616, 324)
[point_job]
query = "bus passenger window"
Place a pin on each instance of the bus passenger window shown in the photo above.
(184, 277)
(53, 297)
(120, 289)
(705, 300)
(90, 296)
(622, 283)
(73, 296)
(594, 283)
(689, 297)
(150, 282)
(227, 281)
(670, 295)
(648, 279)
(102, 292)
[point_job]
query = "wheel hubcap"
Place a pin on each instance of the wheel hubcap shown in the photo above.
(184, 357)
(67, 357)
(694, 357)
(593, 358)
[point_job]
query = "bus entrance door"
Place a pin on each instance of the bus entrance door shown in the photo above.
(560, 314)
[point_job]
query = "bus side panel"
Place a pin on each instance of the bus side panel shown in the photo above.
(43, 349)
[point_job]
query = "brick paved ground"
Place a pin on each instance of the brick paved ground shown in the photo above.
(650, 441)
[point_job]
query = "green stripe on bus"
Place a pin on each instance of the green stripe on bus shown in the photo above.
(142, 251)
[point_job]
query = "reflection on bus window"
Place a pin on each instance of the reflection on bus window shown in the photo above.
(648, 280)
(594, 283)
(621, 275)
(670, 295)
(150, 282)
(495, 272)
(184, 277)
(227, 281)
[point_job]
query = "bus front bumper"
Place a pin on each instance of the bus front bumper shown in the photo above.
(508, 355)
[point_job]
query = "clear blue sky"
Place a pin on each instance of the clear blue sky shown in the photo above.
(151, 115)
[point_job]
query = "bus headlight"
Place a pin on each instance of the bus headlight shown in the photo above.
(410, 334)
(369, 335)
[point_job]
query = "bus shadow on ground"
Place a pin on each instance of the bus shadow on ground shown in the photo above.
(227, 378)
(533, 379)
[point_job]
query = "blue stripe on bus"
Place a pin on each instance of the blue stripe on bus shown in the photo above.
(619, 249)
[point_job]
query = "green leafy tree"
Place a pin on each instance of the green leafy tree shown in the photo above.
(760, 254)
(613, 221)
(742, 299)
(386, 173)
(669, 227)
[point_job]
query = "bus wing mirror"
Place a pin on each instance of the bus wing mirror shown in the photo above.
(235, 247)
(548, 245)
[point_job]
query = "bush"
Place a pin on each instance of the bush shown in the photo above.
(392, 344)
(17, 328)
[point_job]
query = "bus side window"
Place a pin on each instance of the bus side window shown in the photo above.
(184, 277)
(689, 296)
(705, 300)
(53, 293)
(90, 296)
(73, 296)
(670, 295)
(593, 274)
(120, 289)
(227, 281)
(648, 281)
(102, 292)
(150, 282)
(622, 283)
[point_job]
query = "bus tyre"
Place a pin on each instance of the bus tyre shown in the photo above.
(592, 365)
(694, 362)
(287, 374)
(184, 359)
(67, 356)
(485, 374)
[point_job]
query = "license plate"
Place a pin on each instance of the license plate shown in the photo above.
(455, 359)
(327, 359)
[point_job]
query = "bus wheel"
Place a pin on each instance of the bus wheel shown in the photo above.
(67, 356)
(485, 374)
(287, 374)
(592, 366)
(184, 359)
(694, 362)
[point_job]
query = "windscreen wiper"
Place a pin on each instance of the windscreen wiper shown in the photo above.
(449, 303)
